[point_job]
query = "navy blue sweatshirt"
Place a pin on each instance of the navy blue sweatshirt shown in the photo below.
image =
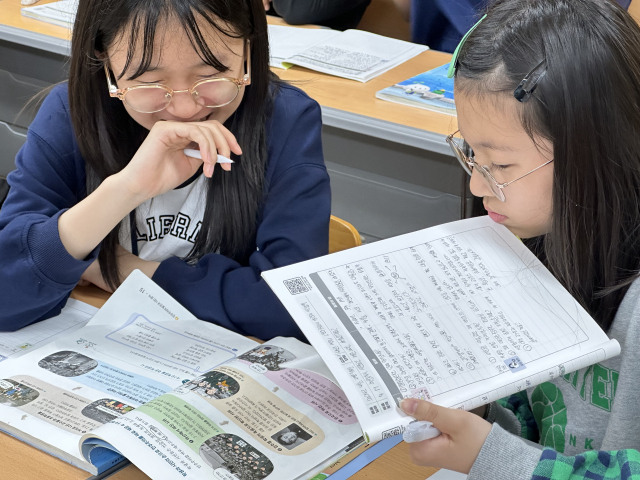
(441, 24)
(38, 274)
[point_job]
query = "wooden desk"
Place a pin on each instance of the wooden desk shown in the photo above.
(21, 461)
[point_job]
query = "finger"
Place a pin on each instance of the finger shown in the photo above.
(430, 453)
(180, 134)
(222, 145)
(446, 420)
(230, 139)
(210, 163)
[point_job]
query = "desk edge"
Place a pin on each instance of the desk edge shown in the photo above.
(392, 132)
(35, 40)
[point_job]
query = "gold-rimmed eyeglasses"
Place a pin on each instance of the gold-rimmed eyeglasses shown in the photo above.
(209, 92)
(468, 162)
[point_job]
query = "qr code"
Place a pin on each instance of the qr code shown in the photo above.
(392, 432)
(297, 285)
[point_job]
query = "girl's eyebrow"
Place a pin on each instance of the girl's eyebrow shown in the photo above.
(489, 145)
(493, 146)
(159, 68)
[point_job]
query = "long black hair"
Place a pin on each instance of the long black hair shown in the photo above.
(108, 137)
(588, 105)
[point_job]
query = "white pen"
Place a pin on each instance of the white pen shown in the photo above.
(192, 152)
(419, 431)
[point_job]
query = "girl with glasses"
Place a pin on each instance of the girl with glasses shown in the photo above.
(103, 186)
(549, 115)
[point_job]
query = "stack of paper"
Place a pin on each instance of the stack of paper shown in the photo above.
(352, 54)
(61, 13)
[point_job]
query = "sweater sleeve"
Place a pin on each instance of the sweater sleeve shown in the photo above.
(37, 271)
(505, 456)
(294, 226)
(514, 414)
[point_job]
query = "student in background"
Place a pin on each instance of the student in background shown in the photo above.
(547, 99)
(336, 14)
(102, 186)
(440, 24)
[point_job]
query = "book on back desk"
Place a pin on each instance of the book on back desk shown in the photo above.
(431, 90)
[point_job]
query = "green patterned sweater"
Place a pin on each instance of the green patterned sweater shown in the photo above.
(587, 421)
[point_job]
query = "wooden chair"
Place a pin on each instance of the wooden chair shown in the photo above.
(634, 10)
(382, 17)
(342, 235)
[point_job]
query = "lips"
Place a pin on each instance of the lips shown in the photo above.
(201, 119)
(496, 217)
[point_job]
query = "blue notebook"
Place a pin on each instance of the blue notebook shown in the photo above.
(430, 90)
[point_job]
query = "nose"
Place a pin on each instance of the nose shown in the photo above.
(182, 106)
(478, 185)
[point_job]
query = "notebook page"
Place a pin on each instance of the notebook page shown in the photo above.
(447, 314)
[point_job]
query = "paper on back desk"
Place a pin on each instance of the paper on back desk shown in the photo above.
(356, 55)
(285, 42)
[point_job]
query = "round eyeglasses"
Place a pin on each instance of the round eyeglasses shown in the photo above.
(209, 92)
(465, 156)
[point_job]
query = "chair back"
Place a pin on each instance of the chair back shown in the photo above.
(342, 235)
(634, 10)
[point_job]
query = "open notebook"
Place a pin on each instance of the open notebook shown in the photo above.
(460, 314)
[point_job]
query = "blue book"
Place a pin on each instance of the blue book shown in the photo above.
(430, 90)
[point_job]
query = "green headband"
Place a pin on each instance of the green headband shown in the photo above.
(454, 60)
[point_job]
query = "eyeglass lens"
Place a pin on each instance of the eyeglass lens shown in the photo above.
(155, 98)
(459, 148)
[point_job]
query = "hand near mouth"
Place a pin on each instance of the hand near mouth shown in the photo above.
(160, 163)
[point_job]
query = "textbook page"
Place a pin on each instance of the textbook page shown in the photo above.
(62, 13)
(459, 314)
(273, 412)
(73, 316)
(285, 42)
(356, 55)
(140, 345)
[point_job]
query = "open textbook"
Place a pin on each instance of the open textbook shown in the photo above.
(61, 13)
(459, 314)
(352, 54)
(178, 397)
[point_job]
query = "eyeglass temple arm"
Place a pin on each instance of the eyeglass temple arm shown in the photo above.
(246, 80)
(113, 89)
(537, 168)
